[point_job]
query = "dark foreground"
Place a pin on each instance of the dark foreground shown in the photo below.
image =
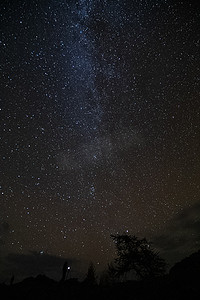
(44, 288)
(182, 283)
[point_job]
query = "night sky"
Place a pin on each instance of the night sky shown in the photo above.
(99, 114)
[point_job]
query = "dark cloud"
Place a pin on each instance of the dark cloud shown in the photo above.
(182, 236)
(26, 265)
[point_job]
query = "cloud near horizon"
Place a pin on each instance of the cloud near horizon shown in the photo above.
(32, 264)
(182, 236)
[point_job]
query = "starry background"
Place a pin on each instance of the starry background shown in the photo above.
(99, 129)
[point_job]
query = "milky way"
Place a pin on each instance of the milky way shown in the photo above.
(99, 124)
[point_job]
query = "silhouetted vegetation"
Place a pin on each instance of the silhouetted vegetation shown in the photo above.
(91, 278)
(137, 255)
(182, 282)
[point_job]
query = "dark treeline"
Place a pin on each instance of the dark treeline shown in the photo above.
(135, 257)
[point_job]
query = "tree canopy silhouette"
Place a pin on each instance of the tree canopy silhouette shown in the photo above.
(138, 255)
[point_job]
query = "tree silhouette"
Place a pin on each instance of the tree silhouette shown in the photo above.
(91, 275)
(136, 254)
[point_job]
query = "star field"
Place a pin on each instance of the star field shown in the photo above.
(99, 113)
